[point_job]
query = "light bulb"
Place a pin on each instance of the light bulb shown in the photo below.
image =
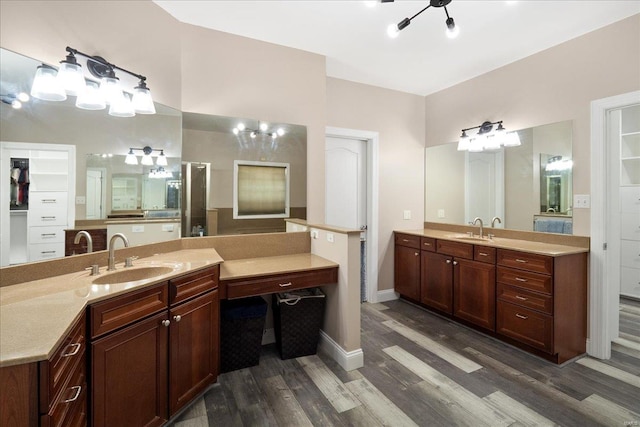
(280, 131)
(393, 31)
(241, 126)
(263, 127)
(452, 29)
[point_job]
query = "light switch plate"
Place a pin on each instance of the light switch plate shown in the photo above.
(581, 201)
(407, 214)
(440, 213)
(330, 237)
(81, 200)
(137, 228)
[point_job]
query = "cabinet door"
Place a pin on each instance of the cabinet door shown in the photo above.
(407, 272)
(437, 281)
(194, 348)
(129, 375)
(474, 290)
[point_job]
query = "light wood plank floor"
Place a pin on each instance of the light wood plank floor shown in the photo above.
(423, 370)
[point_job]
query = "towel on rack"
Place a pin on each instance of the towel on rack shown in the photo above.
(553, 225)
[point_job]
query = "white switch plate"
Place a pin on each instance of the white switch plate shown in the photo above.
(582, 201)
(407, 214)
(330, 237)
(81, 200)
(137, 228)
(440, 213)
(314, 234)
(167, 227)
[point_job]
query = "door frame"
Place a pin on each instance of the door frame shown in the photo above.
(603, 305)
(372, 140)
(103, 190)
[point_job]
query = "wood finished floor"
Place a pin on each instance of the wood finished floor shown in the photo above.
(421, 369)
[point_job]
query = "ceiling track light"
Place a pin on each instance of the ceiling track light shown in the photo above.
(452, 28)
(263, 129)
(69, 80)
(487, 138)
(146, 159)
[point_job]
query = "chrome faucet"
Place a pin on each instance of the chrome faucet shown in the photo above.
(481, 225)
(112, 262)
(493, 221)
(87, 236)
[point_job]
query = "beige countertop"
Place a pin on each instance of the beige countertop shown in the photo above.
(536, 247)
(252, 267)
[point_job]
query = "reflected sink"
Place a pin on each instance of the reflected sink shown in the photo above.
(471, 238)
(131, 275)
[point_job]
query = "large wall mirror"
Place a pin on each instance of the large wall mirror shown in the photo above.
(529, 186)
(213, 146)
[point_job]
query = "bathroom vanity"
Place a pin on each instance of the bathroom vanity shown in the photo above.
(532, 294)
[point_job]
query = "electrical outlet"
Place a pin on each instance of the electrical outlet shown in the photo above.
(440, 213)
(330, 237)
(581, 201)
(314, 234)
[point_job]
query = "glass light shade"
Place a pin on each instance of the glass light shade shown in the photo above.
(263, 127)
(464, 142)
(393, 31)
(241, 126)
(71, 78)
(122, 106)
(476, 145)
(253, 135)
(23, 97)
(235, 131)
(91, 98)
(162, 159)
(453, 32)
(512, 139)
(110, 89)
(146, 160)
(131, 158)
(492, 142)
(16, 104)
(46, 86)
(142, 101)
(280, 131)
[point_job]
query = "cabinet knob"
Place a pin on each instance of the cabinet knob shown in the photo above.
(177, 318)
(448, 261)
(416, 253)
(166, 323)
(455, 262)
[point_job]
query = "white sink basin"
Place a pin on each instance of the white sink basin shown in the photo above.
(132, 275)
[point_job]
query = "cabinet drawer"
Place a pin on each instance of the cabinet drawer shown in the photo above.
(524, 279)
(51, 217)
(407, 240)
(54, 234)
(630, 281)
(122, 310)
(525, 261)
(240, 288)
(456, 249)
(428, 244)
(484, 254)
(630, 253)
(46, 251)
(44, 201)
(526, 326)
(630, 199)
(193, 284)
(630, 226)
(524, 298)
(60, 367)
(72, 401)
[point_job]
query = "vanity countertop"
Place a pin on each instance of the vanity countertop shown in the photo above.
(535, 247)
(35, 315)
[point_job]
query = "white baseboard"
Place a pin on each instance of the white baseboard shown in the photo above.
(268, 336)
(349, 360)
(387, 295)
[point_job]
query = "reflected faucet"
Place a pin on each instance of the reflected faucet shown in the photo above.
(87, 236)
(112, 262)
(481, 225)
(493, 221)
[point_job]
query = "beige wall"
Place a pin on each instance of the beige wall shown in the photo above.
(554, 85)
(399, 120)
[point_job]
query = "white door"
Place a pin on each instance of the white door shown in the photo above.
(95, 194)
(346, 190)
(484, 189)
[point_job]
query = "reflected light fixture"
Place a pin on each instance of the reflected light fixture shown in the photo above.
(452, 29)
(146, 159)
(557, 164)
(487, 138)
(15, 100)
(69, 79)
(160, 172)
(263, 129)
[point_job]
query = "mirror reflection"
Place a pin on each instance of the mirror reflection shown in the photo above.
(528, 187)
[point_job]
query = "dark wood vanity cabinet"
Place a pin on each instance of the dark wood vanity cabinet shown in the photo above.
(436, 281)
(407, 265)
(153, 350)
(474, 292)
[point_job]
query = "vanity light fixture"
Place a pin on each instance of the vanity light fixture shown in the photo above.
(15, 100)
(69, 79)
(557, 164)
(487, 138)
(160, 172)
(146, 158)
(452, 29)
(263, 129)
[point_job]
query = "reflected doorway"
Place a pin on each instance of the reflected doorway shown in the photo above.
(196, 218)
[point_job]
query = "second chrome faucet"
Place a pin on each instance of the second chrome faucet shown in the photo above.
(112, 261)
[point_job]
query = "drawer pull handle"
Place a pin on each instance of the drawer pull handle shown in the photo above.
(47, 252)
(75, 397)
(521, 298)
(76, 348)
(521, 260)
(405, 240)
(522, 316)
(177, 318)
(520, 279)
(285, 285)
(166, 323)
(482, 254)
(48, 218)
(427, 244)
(47, 234)
(48, 200)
